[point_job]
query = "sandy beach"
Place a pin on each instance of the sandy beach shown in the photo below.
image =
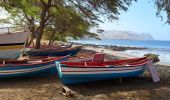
(56, 49)
(49, 87)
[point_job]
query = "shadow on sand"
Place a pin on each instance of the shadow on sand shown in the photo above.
(108, 88)
(28, 82)
(112, 86)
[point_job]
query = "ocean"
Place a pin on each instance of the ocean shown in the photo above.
(161, 48)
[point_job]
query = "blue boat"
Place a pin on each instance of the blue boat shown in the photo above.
(81, 72)
(60, 52)
(14, 68)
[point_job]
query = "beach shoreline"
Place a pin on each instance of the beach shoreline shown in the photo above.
(118, 51)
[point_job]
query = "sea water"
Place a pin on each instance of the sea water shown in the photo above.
(161, 48)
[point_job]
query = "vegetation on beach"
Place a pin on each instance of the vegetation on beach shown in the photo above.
(154, 57)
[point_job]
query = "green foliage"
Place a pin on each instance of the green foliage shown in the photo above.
(163, 5)
(4, 21)
(60, 19)
(68, 24)
(93, 9)
(155, 57)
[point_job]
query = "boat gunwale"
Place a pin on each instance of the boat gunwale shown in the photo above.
(12, 44)
(145, 61)
(38, 63)
(54, 50)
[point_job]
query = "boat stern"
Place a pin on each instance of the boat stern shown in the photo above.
(58, 66)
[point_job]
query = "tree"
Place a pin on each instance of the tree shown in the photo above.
(163, 5)
(68, 24)
(40, 13)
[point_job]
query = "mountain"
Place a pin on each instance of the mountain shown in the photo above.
(117, 34)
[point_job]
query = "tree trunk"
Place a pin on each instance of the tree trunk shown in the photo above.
(27, 42)
(43, 19)
(53, 41)
(30, 40)
(57, 37)
(32, 30)
(39, 37)
(40, 29)
(51, 38)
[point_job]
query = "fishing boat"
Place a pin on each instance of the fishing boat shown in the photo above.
(80, 72)
(51, 47)
(54, 52)
(20, 68)
(12, 44)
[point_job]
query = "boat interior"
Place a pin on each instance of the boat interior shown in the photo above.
(127, 62)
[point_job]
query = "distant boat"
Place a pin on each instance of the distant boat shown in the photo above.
(51, 47)
(12, 44)
(16, 68)
(81, 72)
(54, 52)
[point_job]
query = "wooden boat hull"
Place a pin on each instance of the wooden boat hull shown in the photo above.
(11, 53)
(12, 44)
(12, 71)
(65, 52)
(74, 75)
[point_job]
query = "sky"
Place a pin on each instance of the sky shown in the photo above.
(141, 17)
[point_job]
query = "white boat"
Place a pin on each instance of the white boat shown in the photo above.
(83, 72)
(12, 44)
